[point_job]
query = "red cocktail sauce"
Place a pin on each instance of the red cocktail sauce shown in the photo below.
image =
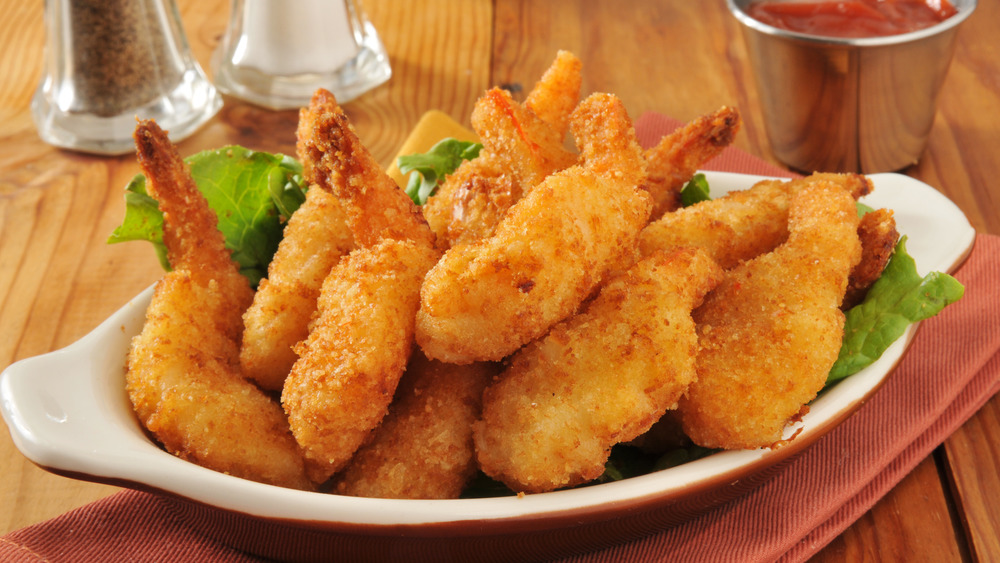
(852, 18)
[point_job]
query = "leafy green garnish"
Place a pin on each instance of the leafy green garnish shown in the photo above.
(897, 299)
(432, 166)
(626, 461)
(143, 219)
(482, 486)
(696, 190)
(253, 193)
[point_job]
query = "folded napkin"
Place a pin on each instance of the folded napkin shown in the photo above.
(951, 370)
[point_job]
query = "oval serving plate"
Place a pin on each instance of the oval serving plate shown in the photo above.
(68, 412)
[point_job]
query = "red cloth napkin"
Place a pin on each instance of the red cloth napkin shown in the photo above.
(952, 369)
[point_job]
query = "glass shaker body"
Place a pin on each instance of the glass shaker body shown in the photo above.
(276, 53)
(109, 62)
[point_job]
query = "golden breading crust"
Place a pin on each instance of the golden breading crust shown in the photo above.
(423, 448)
(771, 330)
(315, 239)
(183, 370)
(742, 224)
(602, 377)
(486, 299)
(340, 388)
(357, 349)
(676, 158)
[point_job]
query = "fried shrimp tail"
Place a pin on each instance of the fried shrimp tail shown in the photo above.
(772, 329)
(528, 146)
(604, 376)
(486, 299)
(423, 448)
(183, 373)
(676, 158)
(519, 151)
(522, 144)
(376, 208)
(316, 237)
(607, 141)
(879, 236)
(558, 91)
(359, 343)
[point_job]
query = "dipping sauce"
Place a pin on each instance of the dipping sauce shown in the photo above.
(852, 18)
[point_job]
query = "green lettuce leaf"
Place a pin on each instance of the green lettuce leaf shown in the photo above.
(432, 166)
(696, 190)
(897, 299)
(253, 193)
(143, 219)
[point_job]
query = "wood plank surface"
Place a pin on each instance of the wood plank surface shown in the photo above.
(58, 279)
(973, 456)
(889, 532)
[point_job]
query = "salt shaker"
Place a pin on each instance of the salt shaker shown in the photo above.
(109, 62)
(276, 53)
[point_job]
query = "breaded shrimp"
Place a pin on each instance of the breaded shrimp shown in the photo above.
(607, 142)
(486, 299)
(519, 151)
(879, 236)
(315, 239)
(472, 201)
(376, 208)
(183, 373)
(348, 368)
(558, 91)
(741, 224)
(676, 158)
(529, 147)
(360, 341)
(603, 376)
(423, 449)
(772, 329)
(522, 144)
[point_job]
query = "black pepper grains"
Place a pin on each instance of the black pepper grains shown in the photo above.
(121, 54)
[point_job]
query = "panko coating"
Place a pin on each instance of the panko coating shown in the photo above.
(423, 448)
(349, 366)
(182, 374)
(742, 224)
(486, 299)
(360, 341)
(772, 329)
(315, 239)
(603, 376)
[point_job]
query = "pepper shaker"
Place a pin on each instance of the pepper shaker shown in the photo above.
(109, 62)
(276, 53)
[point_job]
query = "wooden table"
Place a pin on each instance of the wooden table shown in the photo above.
(58, 278)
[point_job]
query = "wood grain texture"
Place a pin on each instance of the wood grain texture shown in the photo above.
(955, 161)
(973, 457)
(911, 523)
(58, 279)
(655, 57)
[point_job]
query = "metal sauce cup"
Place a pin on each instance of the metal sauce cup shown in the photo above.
(849, 105)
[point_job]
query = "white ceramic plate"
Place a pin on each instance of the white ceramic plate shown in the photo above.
(68, 412)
